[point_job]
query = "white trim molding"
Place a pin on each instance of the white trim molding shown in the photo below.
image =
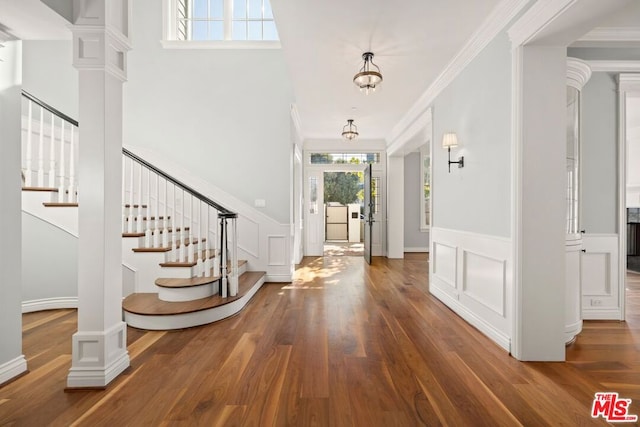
(471, 274)
(609, 36)
(49, 304)
(98, 356)
(12, 369)
(615, 66)
(627, 84)
(601, 297)
(501, 15)
(578, 73)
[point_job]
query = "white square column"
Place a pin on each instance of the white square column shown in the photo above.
(12, 361)
(100, 44)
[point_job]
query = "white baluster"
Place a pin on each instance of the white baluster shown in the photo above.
(190, 249)
(139, 217)
(61, 168)
(165, 222)
(72, 166)
(52, 154)
(216, 249)
(149, 212)
(174, 229)
(130, 225)
(41, 150)
(29, 155)
(158, 223)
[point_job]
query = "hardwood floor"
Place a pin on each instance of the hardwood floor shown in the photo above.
(345, 344)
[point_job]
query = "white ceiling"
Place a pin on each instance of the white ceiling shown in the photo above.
(323, 41)
(32, 20)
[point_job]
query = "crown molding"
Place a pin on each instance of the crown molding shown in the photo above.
(610, 35)
(537, 17)
(615, 66)
(490, 28)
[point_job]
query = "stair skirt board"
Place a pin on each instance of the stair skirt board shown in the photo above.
(197, 318)
(49, 304)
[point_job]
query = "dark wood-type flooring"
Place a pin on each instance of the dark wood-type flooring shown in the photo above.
(345, 344)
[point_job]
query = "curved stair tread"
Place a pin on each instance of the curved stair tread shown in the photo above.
(171, 282)
(51, 189)
(148, 303)
(60, 205)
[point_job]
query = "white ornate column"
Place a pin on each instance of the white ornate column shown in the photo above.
(100, 44)
(578, 73)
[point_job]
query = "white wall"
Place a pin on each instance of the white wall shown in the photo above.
(56, 275)
(12, 362)
(633, 150)
(414, 238)
(223, 114)
(48, 74)
(600, 154)
(471, 260)
(477, 106)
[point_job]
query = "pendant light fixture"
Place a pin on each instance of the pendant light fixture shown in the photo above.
(350, 131)
(369, 75)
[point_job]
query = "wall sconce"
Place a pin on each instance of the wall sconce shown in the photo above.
(449, 140)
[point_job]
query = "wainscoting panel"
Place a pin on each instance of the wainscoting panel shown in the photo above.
(472, 275)
(277, 250)
(484, 280)
(444, 266)
(249, 236)
(599, 275)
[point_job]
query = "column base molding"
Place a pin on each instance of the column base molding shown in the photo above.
(98, 357)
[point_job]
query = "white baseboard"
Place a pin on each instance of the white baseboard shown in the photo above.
(278, 278)
(97, 377)
(418, 249)
(602, 314)
(498, 337)
(12, 368)
(49, 304)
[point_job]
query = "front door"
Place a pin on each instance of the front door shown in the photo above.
(368, 213)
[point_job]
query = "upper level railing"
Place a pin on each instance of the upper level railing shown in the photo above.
(164, 213)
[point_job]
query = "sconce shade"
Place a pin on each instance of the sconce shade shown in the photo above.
(449, 139)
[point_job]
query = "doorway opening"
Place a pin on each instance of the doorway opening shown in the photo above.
(344, 209)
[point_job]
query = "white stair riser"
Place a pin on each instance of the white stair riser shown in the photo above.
(187, 294)
(181, 321)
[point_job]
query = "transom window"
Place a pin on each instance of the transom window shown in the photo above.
(343, 158)
(223, 20)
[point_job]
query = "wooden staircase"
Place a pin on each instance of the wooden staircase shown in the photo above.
(182, 245)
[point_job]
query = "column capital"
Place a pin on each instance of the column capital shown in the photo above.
(101, 35)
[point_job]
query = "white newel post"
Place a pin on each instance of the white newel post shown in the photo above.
(100, 43)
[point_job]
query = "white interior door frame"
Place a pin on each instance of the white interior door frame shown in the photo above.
(312, 224)
(628, 85)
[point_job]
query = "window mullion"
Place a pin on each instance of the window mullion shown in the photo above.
(228, 19)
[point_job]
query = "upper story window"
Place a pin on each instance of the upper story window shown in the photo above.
(219, 24)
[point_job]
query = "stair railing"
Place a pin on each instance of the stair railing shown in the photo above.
(170, 215)
(49, 148)
(163, 212)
